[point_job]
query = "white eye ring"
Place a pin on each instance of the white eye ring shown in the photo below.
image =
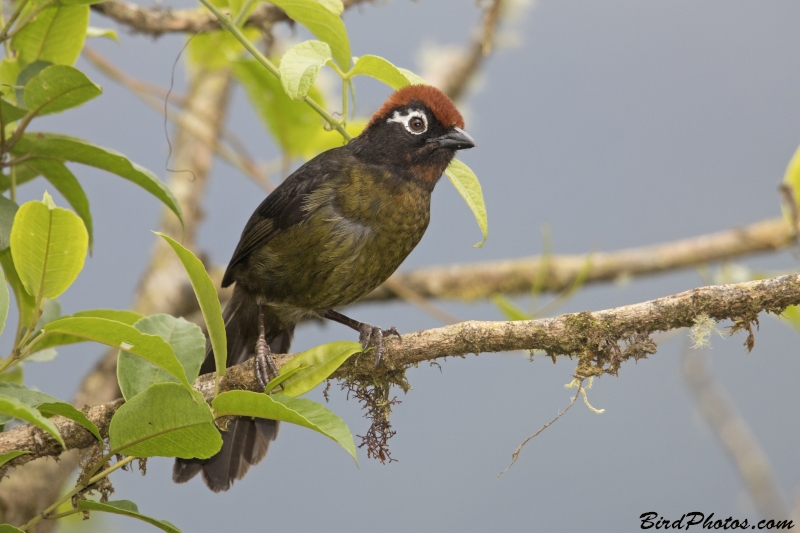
(405, 120)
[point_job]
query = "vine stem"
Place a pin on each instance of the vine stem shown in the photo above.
(79, 487)
(228, 24)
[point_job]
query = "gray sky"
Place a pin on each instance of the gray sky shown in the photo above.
(617, 123)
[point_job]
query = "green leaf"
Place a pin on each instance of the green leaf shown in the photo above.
(145, 427)
(67, 184)
(323, 23)
(510, 310)
(47, 405)
(294, 125)
(122, 336)
(188, 342)
(380, 69)
(334, 6)
(30, 397)
(26, 305)
(206, 295)
(120, 315)
(58, 339)
(5, 528)
(17, 409)
(792, 178)
(320, 362)
(14, 375)
(108, 33)
(125, 508)
(9, 71)
(49, 246)
(4, 458)
(58, 87)
(413, 78)
(300, 66)
(467, 185)
(56, 35)
(9, 112)
(298, 411)
(65, 148)
(7, 211)
(68, 411)
(282, 376)
(26, 75)
(5, 300)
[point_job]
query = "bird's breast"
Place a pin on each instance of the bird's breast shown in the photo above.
(357, 232)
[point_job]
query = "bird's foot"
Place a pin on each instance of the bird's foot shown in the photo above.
(370, 335)
(265, 369)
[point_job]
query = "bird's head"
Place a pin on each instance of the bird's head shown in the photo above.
(417, 128)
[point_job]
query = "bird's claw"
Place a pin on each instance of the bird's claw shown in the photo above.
(265, 369)
(370, 335)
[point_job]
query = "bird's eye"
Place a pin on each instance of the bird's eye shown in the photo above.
(414, 121)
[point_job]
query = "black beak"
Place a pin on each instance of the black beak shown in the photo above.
(456, 139)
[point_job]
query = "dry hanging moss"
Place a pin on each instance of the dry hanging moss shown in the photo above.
(375, 395)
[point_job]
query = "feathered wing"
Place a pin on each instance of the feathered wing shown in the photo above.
(283, 208)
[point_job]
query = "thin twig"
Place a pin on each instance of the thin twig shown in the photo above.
(515, 455)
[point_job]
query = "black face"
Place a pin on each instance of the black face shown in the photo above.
(411, 136)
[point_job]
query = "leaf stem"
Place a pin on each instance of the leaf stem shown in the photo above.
(79, 487)
(345, 100)
(4, 34)
(5, 43)
(241, 15)
(30, 16)
(12, 188)
(228, 24)
(62, 515)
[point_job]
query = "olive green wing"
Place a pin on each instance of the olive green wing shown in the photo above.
(283, 208)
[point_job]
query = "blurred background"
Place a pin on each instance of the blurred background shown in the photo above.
(614, 124)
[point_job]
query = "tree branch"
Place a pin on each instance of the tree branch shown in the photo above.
(156, 21)
(469, 282)
(601, 341)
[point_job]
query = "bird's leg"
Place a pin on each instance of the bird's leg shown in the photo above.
(368, 334)
(264, 365)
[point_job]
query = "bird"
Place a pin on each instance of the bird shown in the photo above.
(329, 234)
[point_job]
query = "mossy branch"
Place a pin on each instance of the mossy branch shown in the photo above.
(600, 340)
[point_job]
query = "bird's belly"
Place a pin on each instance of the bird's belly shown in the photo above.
(328, 262)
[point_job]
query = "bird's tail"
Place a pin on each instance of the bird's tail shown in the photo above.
(246, 441)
